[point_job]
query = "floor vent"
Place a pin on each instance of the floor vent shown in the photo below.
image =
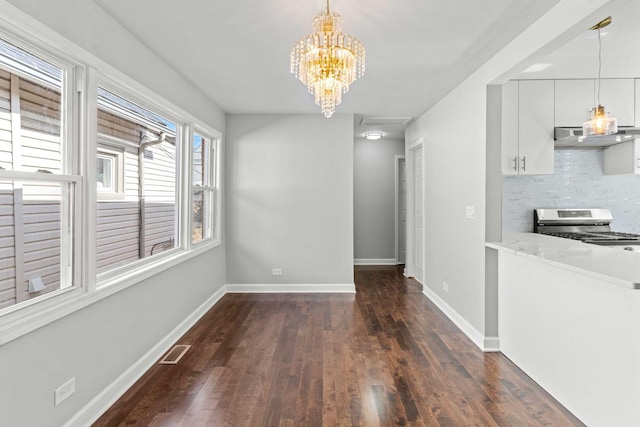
(174, 355)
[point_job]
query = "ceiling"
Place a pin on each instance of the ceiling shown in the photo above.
(579, 57)
(237, 52)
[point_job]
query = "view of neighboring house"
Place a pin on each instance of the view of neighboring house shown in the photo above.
(135, 173)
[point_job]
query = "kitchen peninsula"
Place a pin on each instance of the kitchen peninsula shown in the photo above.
(568, 316)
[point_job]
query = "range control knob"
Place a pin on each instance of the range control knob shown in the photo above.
(629, 248)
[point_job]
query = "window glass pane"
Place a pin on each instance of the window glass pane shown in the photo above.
(201, 153)
(35, 228)
(30, 112)
(142, 222)
(197, 230)
(204, 190)
(202, 219)
(105, 173)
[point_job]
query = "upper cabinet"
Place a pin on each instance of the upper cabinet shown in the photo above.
(637, 103)
(574, 100)
(532, 108)
(618, 97)
(527, 127)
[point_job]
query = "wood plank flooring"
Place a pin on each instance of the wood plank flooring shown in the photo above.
(384, 357)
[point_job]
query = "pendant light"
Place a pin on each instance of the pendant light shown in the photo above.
(600, 123)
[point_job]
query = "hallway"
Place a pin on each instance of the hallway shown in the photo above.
(385, 356)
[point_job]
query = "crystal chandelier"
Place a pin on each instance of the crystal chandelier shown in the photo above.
(328, 60)
(600, 123)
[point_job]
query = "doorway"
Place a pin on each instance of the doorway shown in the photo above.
(401, 209)
(414, 266)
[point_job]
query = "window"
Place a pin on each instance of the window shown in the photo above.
(204, 215)
(105, 172)
(110, 172)
(37, 184)
(143, 223)
(143, 190)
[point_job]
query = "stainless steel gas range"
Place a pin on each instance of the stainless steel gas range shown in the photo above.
(587, 225)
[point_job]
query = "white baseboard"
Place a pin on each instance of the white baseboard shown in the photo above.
(335, 288)
(483, 343)
(103, 401)
(375, 261)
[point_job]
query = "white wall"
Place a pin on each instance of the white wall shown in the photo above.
(290, 199)
(455, 150)
(97, 344)
(88, 26)
(374, 197)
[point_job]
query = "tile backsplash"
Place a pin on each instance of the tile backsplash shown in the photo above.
(578, 181)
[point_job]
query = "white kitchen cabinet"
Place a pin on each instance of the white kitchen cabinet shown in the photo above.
(622, 159)
(510, 128)
(618, 98)
(637, 103)
(574, 100)
(527, 127)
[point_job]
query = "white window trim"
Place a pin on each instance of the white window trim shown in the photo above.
(214, 137)
(117, 156)
(122, 273)
(82, 80)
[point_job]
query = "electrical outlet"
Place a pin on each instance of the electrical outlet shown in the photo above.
(276, 272)
(445, 286)
(64, 391)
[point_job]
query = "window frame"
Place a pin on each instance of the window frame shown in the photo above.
(126, 273)
(210, 184)
(81, 80)
(71, 254)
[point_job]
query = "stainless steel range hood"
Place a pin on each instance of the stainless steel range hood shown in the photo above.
(571, 137)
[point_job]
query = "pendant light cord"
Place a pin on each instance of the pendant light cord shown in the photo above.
(328, 11)
(599, 62)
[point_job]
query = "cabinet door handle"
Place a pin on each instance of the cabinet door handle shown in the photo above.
(515, 163)
(638, 162)
(524, 163)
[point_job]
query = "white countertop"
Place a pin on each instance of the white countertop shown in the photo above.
(613, 265)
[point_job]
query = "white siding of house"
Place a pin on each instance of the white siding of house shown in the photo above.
(119, 220)
(29, 212)
(40, 120)
(160, 194)
(118, 227)
(7, 249)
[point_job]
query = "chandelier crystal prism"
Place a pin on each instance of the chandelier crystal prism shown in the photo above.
(328, 61)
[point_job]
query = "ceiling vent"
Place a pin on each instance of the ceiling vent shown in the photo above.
(385, 121)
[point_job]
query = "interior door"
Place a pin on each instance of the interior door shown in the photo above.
(402, 211)
(418, 215)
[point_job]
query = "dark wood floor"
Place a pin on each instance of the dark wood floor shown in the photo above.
(384, 357)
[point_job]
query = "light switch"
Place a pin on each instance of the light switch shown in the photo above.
(470, 212)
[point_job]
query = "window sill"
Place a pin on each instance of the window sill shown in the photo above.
(24, 320)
